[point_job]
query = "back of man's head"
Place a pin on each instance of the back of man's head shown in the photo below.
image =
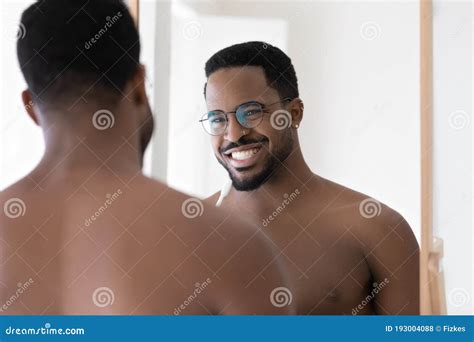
(74, 48)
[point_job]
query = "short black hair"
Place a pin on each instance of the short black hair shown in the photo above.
(277, 66)
(68, 46)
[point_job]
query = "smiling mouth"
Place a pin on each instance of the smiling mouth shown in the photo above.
(243, 157)
(245, 154)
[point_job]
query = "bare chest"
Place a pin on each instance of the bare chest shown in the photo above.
(325, 263)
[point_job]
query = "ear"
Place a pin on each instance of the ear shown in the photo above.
(29, 106)
(296, 108)
(138, 94)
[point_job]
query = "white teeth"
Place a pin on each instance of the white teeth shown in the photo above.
(242, 155)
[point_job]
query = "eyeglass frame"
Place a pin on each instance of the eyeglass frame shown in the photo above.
(262, 105)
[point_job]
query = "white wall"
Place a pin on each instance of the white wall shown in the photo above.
(358, 69)
(21, 141)
(155, 35)
(452, 188)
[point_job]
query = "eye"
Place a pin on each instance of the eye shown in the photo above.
(250, 112)
(251, 115)
(216, 120)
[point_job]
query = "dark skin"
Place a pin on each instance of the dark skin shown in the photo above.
(142, 246)
(335, 256)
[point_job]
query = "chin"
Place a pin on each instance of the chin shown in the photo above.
(244, 185)
(250, 179)
(250, 182)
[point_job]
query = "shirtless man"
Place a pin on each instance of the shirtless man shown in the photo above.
(86, 232)
(344, 252)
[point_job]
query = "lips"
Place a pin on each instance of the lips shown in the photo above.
(244, 156)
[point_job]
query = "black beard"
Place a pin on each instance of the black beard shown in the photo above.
(271, 165)
(256, 181)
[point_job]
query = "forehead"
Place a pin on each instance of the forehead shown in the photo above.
(229, 87)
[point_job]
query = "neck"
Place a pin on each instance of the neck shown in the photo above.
(77, 145)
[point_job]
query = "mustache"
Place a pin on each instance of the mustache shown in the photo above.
(242, 141)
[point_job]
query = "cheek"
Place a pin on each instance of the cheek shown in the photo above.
(267, 131)
(216, 143)
(277, 139)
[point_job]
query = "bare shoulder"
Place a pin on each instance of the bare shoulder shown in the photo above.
(370, 218)
(18, 188)
(213, 244)
(15, 198)
(380, 232)
(388, 246)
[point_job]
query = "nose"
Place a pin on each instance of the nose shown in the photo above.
(234, 130)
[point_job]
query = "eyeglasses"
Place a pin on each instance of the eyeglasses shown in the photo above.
(248, 114)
